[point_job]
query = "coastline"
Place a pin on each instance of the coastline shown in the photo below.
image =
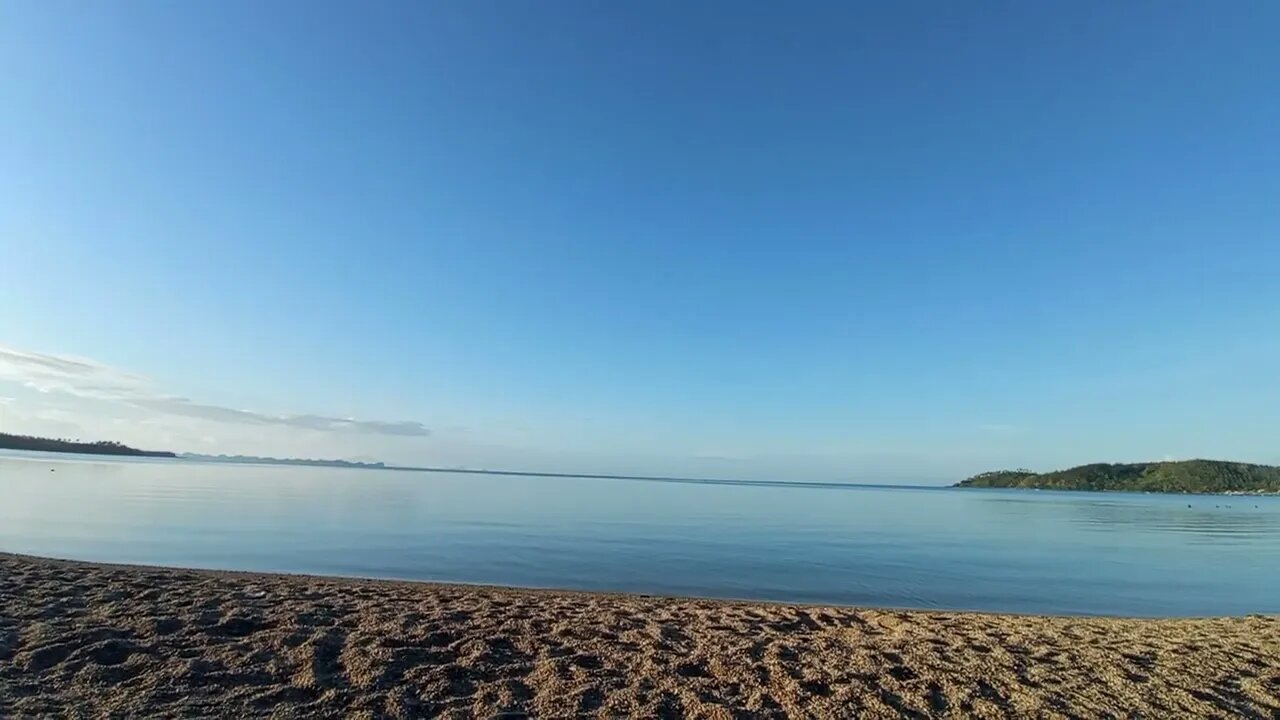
(1182, 493)
(140, 641)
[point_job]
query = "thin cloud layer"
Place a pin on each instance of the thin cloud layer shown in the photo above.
(89, 379)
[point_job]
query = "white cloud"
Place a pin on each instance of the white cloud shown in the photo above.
(89, 379)
(53, 373)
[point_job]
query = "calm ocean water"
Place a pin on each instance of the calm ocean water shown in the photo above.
(1020, 551)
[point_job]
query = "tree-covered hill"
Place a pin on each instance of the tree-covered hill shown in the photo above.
(1185, 476)
(102, 447)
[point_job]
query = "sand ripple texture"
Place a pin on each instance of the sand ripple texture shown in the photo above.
(83, 640)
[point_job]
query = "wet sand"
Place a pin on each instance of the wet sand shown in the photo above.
(79, 639)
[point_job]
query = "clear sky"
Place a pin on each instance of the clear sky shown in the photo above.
(870, 241)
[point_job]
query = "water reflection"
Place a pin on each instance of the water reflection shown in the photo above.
(1212, 517)
(970, 549)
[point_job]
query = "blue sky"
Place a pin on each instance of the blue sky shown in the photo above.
(900, 241)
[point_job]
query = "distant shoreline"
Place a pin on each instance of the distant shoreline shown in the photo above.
(351, 465)
(1125, 491)
(669, 479)
(103, 447)
(260, 460)
(1191, 477)
(999, 480)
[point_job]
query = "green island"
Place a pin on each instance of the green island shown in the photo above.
(102, 447)
(1182, 476)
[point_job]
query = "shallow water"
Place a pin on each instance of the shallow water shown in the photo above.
(999, 550)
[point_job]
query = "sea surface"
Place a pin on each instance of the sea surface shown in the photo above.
(1000, 550)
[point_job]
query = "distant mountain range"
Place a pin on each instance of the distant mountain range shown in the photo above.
(102, 447)
(1184, 476)
(256, 460)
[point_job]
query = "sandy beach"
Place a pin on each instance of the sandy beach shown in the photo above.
(79, 639)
